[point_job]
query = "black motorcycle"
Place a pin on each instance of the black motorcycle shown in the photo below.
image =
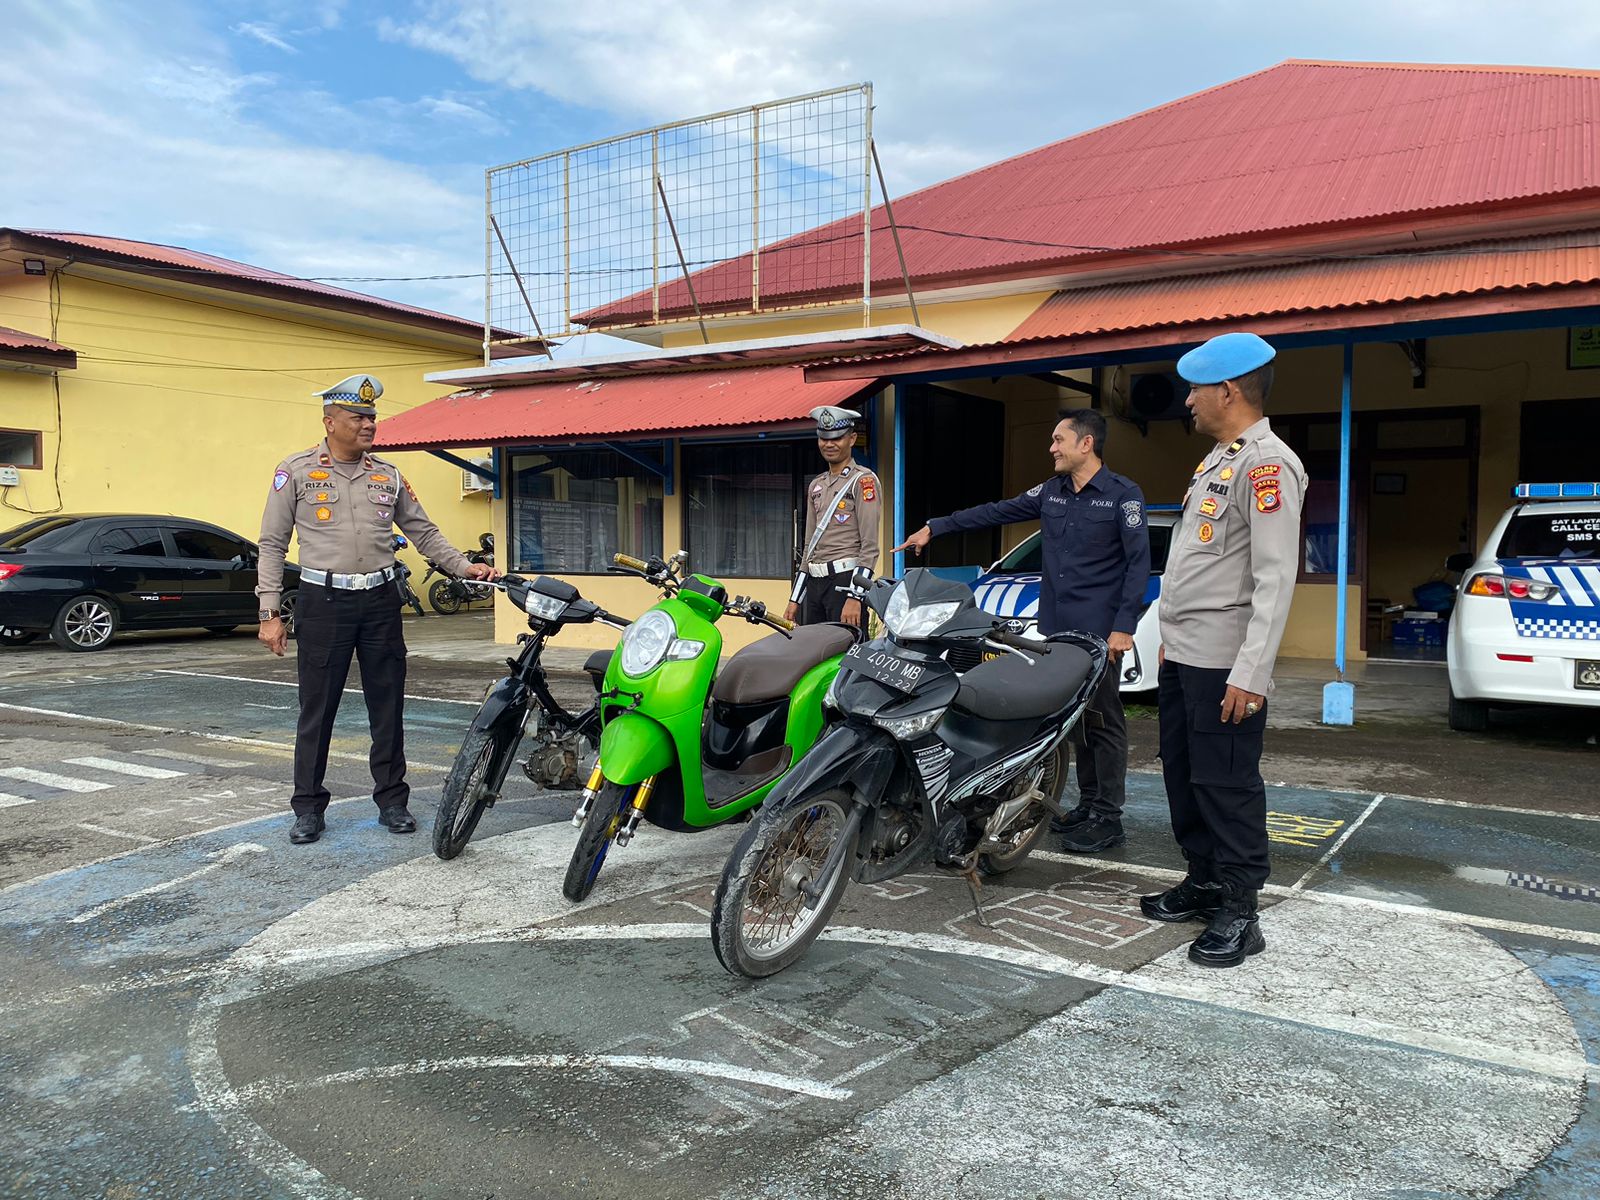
(449, 595)
(564, 745)
(408, 594)
(922, 763)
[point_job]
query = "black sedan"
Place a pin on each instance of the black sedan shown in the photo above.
(82, 578)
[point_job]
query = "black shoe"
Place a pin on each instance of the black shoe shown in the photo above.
(1070, 820)
(1094, 835)
(1234, 932)
(397, 819)
(1190, 900)
(308, 827)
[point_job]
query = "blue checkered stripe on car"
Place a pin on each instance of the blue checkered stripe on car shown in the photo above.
(1008, 595)
(1574, 614)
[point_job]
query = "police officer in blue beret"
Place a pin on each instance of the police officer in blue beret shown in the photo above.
(1224, 602)
(1096, 569)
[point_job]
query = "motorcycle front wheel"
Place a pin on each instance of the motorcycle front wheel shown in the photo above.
(759, 920)
(600, 826)
(444, 597)
(481, 760)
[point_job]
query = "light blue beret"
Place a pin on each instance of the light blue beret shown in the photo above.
(1226, 356)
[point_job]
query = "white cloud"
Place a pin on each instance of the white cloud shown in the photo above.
(265, 34)
(141, 127)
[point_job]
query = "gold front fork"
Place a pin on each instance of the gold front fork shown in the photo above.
(590, 790)
(641, 797)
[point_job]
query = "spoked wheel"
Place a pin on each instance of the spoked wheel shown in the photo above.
(594, 839)
(759, 920)
(84, 623)
(1025, 830)
(444, 597)
(480, 761)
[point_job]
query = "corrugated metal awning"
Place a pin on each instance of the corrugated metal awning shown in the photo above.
(669, 404)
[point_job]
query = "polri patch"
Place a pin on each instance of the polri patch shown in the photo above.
(1208, 507)
(869, 488)
(841, 516)
(1132, 513)
(1205, 532)
(1267, 500)
(1264, 470)
(278, 480)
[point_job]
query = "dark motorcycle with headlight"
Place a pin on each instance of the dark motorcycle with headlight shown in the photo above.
(562, 744)
(920, 764)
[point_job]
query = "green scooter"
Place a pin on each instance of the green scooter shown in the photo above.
(683, 746)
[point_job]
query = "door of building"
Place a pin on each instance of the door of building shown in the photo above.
(955, 458)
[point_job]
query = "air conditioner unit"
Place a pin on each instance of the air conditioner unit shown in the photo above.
(471, 482)
(1157, 396)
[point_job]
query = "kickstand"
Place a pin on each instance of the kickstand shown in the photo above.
(971, 876)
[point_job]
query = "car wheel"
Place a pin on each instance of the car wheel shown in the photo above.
(286, 608)
(84, 623)
(1468, 716)
(16, 637)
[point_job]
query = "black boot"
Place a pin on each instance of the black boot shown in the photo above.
(1191, 900)
(1234, 932)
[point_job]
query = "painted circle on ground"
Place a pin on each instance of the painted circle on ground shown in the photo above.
(455, 1027)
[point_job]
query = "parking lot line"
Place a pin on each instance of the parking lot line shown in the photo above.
(7, 800)
(49, 779)
(124, 768)
(1344, 837)
(198, 759)
(292, 684)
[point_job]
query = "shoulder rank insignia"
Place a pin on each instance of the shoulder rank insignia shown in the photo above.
(324, 460)
(1238, 445)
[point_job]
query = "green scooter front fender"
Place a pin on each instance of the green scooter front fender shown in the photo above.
(634, 747)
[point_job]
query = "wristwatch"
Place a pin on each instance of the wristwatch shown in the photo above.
(269, 614)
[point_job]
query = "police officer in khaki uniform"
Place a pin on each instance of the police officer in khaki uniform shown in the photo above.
(1224, 602)
(342, 502)
(841, 526)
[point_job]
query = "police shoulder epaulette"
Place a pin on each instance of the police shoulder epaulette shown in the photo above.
(1238, 445)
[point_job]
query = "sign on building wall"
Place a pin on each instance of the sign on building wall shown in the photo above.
(1583, 346)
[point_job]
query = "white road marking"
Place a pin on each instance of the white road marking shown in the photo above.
(1344, 837)
(277, 707)
(132, 837)
(201, 760)
(272, 1090)
(7, 800)
(282, 747)
(218, 860)
(49, 779)
(292, 684)
(124, 768)
(1338, 900)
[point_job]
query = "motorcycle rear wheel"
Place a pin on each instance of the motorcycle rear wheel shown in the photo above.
(482, 758)
(1029, 826)
(600, 826)
(759, 922)
(444, 597)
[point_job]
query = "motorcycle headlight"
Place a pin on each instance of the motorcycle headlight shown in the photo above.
(653, 640)
(905, 728)
(905, 622)
(546, 608)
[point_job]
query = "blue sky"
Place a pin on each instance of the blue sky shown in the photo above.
(332, 138)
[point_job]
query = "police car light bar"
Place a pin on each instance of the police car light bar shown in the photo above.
(1557, 491)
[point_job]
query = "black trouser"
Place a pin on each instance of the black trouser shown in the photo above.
(330, 624)
(1213, 777)
(1101, 746)
(822, 600)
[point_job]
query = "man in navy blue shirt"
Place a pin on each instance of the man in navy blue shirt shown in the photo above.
(1096, 568)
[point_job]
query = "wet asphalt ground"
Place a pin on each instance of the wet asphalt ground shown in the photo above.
(194, 1007)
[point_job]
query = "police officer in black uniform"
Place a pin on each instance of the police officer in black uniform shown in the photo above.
(1096, 569)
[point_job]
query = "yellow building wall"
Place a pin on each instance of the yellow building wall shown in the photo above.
(184, 404)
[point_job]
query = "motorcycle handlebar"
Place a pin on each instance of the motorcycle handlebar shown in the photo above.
(633, 564)
(1017, 642)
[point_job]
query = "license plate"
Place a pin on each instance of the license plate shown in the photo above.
(1586, 675)
(874, 663)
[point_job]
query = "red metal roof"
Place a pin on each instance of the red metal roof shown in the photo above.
(1557, 260)
(195, 266)
(1299, 146)
(623, 406)
(31, 348)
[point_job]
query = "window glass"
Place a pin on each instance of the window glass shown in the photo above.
(130, 539)
(19, 447)
(41, 533)
(1027, 555)
(1551, 535)
(572, 510)
(203, 543)
(743, 509)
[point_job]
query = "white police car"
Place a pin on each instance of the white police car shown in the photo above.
(1526, 626)
(1010, 588)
